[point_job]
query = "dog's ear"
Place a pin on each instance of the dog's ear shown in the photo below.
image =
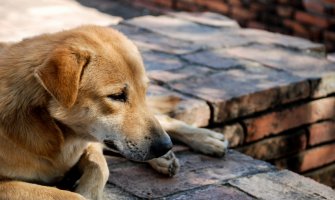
(60, 74)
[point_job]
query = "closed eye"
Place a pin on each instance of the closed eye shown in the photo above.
(121, 97)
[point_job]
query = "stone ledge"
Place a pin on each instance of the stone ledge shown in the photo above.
(201, 177)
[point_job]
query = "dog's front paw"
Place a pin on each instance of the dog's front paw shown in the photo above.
(208, 142)
(167, 164)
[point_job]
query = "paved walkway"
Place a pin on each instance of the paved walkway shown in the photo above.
(216, 72)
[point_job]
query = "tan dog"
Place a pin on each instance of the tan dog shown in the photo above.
(61, 95)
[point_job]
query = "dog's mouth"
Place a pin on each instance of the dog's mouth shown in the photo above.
(111, 149)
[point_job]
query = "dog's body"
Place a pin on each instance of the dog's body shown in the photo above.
(61, 95)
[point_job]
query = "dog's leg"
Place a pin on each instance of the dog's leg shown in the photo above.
(95, 172)
(199, 139)
(15, 190)
(167, 164)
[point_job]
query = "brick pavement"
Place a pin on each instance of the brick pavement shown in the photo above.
(250, 85)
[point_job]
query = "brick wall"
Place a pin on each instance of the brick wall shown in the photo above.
(273, 97)
(311, 19)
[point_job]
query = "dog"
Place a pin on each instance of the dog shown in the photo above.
(62, 95)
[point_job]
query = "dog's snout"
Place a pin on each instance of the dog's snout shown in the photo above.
(161, 146)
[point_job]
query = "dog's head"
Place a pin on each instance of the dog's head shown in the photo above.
(97, 82)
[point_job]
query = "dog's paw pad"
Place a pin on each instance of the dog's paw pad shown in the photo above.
(167, 164)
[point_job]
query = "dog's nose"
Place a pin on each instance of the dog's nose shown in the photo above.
(161, 146)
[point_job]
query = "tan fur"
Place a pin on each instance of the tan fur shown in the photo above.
(61, 95)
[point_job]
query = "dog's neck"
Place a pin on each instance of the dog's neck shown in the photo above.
(23, 115)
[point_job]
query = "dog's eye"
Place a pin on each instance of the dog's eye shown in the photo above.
(122, 97)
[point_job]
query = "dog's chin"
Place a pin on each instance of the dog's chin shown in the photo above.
(135, 155)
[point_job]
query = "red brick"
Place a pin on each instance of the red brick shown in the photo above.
(312, 19)
(314, 6)
(297, 28)
(215, 5)
(242, 14)
(255, 24)
(325, 175)
(309, 159)
(284, 11)
(276, 147)
(188, 6)
(165, 3)
(257, 7)
(235, 2)
(329, 36)
(321, 132)
(276, 122)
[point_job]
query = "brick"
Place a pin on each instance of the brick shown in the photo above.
(282, 185)
(321, 132)
(284, 11)
(297, 28)
(309, 159)
(197, 171)
(277, 39)
(114, 192)
(276, 147)
(329, 36)
(212, 192)
(156, 60)
(233, 133)
(180, 74)
(147, 40)
(174, 28)
(255, 24)
(312, 19)
(296, 63)
(242, 14)
(315, 6)
(219, 89)
(235, 2)
(213, 60)
(207, 18)
(216, 5)
(164, 3)
(188, 6)
(324, 175)
(178, 106)
(279, 121)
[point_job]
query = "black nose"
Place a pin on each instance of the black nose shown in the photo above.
(161, 146)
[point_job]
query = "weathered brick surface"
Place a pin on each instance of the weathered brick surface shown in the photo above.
(309, 159)
(282, 185)
(265, 37)
(173, 27)
(276, 147)
(251, 96)
(196, 171)
(207, 18)
(187, 109)
(276, 122)
(325, 175)
(312, 19)
(321, 132)
(147, 40)
(296, 63)
(212, 192)
(321, 72)
(186, 30)
(155, 60)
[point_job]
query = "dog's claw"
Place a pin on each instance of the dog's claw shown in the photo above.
(167, 164)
